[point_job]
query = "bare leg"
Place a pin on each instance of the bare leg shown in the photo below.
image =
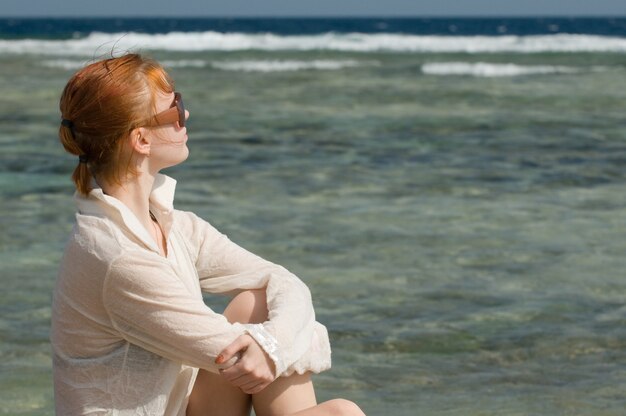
(246, 307)
(335, 407)
(285, 395)
(213, 395)
(293, 395)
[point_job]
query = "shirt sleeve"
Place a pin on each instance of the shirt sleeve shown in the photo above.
(151, 307)
(225, 267)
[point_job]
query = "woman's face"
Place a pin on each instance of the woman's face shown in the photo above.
(168, 142)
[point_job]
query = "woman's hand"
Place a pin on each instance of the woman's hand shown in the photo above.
(253, 371)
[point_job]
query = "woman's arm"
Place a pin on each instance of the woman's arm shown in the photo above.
(225, 267)
(151, 307)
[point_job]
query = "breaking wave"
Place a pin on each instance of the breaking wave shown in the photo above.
(101, 43)
(483, 69)
(235, 65)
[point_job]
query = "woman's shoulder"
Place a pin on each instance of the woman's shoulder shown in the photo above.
(97, 238)
(189, 222)
(184, 217)
(90, 250)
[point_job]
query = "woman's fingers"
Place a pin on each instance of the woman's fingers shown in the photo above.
(244, 371)
(235, 374)
(241, 343)
(247, 382)
(249, 378)
(253, 371)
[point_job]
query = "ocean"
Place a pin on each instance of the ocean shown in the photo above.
(453, 192)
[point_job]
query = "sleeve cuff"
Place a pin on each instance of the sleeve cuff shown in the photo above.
(268, 343)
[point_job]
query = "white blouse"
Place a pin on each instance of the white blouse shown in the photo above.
(129, 326)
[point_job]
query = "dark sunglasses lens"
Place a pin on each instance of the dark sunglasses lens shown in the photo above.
(181, 110)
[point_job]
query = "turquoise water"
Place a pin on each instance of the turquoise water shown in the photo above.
(462, 232)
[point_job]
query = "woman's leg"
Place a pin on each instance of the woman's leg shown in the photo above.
(293, 395)
(212, 394)
(335, 407)
(286, 395)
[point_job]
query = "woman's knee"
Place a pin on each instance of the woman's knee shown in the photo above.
(343, 407)
(248, 307)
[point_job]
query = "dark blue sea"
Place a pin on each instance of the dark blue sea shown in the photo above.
(453, 191)
(72, 27)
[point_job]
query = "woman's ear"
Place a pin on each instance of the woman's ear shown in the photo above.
(139, 141)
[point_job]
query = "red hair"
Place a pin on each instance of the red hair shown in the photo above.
(104, 102)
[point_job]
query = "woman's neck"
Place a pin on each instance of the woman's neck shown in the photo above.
(135, 194)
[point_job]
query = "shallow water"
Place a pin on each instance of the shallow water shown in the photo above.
(463, 235)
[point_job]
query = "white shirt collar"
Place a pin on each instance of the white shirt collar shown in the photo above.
(97, 203)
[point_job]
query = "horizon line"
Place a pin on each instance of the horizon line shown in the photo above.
(437, 16)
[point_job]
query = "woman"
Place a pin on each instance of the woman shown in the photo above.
(130, 332)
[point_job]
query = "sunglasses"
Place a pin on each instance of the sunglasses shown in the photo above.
(176, 113)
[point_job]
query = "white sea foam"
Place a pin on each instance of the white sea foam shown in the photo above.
(286, 65)
(240, 65)
(483, 69)
(101, 43)
(70, 64)
(184, 63)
